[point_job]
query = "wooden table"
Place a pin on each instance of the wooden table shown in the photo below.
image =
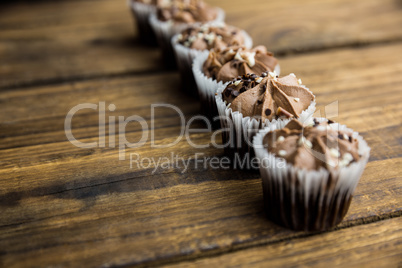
(64, 206)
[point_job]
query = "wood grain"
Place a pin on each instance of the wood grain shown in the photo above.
(64, 206)
(166, 216)
(52, 42)
(348, 76)
(371, 245)
(105, 213)
(153, 218)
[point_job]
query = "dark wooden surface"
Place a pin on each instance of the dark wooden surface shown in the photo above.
(66, 206)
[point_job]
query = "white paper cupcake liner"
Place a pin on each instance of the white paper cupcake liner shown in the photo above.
(185, 57)
(241, 130)
(165, 31)
(141, 13)
(207, 86)
(307, 200)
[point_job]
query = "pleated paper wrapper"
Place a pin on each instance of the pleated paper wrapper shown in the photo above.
(308, 200)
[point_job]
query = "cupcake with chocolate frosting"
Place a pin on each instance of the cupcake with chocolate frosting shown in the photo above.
(216, 68)
(226, 64)
(251, 102)
(197, 39)
(189, 11)
(177, 16)
(309, 173)
(217, 36)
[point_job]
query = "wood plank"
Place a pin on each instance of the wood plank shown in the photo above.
(166, 216)
(58, 41)
(39, 168)
(291, 25)
(385, 143)
(377, 244)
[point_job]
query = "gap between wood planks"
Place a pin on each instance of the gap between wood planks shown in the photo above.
(280, 53)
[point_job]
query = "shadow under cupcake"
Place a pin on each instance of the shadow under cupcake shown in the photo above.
(142, 10)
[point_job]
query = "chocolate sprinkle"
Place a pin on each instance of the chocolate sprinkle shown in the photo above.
(282, 111)
(340, 136)
(350, 138)
(268, 112)
(330, 121)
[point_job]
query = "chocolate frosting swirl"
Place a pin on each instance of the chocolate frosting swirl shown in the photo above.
(224, 65)
(214, 36)
(267, 96)
(313, 147)
(186, 11)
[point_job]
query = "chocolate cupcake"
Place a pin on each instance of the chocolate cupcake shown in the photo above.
(179, 15)
(197, 39)
(251, 102)
(216, 68)
(309, 173)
